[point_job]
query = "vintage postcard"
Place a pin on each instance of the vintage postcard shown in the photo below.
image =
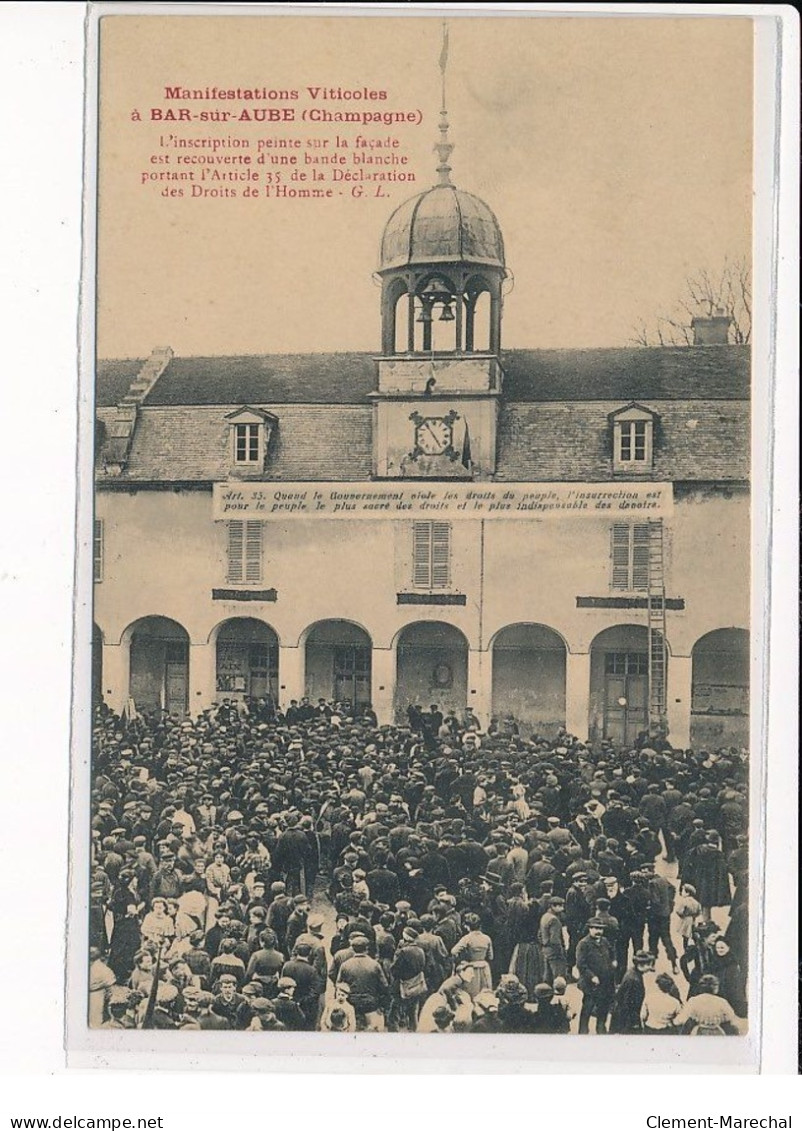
(423, 636)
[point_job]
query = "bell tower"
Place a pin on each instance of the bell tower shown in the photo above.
(442, 272)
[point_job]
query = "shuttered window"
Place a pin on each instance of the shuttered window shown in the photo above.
(244, 552)
(97, 550)
(630, 556)
(431, 555)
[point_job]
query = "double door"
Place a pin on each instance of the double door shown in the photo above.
(626, 696)
(352, 674)
(176, 679)
(159, 676)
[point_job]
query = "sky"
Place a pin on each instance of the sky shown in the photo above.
(616, 154)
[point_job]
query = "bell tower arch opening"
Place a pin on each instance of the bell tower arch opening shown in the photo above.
(444, 250)
(443, 271)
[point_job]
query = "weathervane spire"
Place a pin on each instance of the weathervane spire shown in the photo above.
(444, 147)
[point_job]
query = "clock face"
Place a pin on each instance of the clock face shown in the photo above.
(433, 436)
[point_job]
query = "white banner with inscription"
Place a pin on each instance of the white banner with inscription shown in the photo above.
(447, 501)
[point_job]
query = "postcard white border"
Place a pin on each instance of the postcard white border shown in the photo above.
(388, 1053)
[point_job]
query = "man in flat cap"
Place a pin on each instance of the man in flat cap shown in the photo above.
(408, 980)
(291, 854)
(227, 1000)
(626, 1012)
(279, 911)
(594, 960)
(550, 1012)
(552, 944)
(208, 1019)
(166, 882)
(382, 881)
(578, 910)
(288, 1012)
(367, 985)
(309, 986)
(296, 923)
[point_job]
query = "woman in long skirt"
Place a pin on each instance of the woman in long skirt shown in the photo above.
(527, 961)
(126, 939)
(477, 948)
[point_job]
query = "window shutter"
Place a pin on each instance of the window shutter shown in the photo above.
(253, 551)
(431, 555)
(640, 556)
(441, 555)
(97, 550)
(421, 553)
(236, 536)
(620, 555)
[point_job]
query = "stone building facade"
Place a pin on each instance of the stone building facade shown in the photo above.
(593, 618)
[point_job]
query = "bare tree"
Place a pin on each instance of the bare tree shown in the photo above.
(707, 292)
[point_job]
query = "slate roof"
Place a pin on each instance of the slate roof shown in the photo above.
(694, 440)
(114, 379)
(191, 444)
(549, 443)
(304, 378)
(681, 373)
(634, 374)
(553, 422)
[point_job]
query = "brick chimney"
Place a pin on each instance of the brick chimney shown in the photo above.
(712, 329)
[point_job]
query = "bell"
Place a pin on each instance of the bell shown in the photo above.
(437, 290)
(447, 314)
(425, 313)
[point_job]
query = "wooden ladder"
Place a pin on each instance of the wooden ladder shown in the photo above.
(656, 603)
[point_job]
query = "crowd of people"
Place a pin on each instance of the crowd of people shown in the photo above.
(310, 870)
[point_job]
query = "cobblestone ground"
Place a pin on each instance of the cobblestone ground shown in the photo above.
(321, 904)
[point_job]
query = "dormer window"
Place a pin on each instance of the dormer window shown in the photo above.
(250, 431)
(633, 439)
(247, 443)
(632, 445)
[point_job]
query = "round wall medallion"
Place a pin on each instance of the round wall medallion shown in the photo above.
(442, 675)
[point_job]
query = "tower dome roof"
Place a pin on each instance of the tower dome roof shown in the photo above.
(442, 225)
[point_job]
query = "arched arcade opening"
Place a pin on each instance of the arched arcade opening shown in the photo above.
(529, 677)
(720, 689)
(338, 662)
(431, 667)
(159, 665)
(246, 660)
(619, 684)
